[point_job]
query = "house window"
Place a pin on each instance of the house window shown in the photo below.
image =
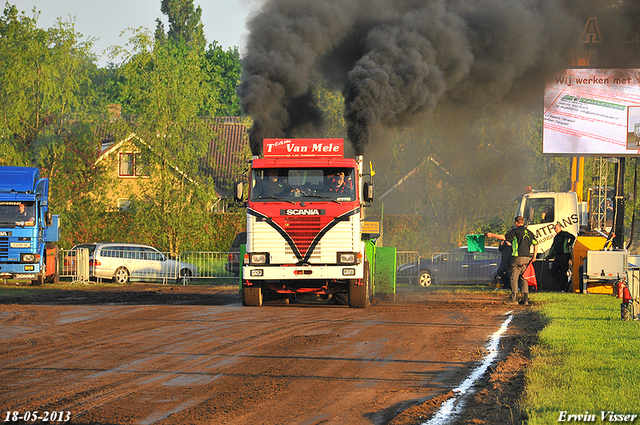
(132, 164)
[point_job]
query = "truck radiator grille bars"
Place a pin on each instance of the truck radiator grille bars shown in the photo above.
(302, 230)
(4, 248)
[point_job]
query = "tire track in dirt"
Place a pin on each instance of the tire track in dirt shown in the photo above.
(190, 364)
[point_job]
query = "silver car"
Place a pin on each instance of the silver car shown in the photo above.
(123, 262)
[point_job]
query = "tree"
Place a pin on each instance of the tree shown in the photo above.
(185, 26)
(223, 76)
(45, 77)
(163, 86)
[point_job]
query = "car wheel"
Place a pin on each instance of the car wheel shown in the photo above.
(425, 279)
(183, 277)
(121, 275)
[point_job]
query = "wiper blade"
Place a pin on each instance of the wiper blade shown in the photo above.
(323, 197)
(277, 198)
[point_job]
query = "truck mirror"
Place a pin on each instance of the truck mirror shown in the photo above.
(239, 191)
(48, 218)
(369, 192)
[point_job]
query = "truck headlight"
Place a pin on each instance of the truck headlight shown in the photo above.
(258, 258)
(29, 258)
(347, 257)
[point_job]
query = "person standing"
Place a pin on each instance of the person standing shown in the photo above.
(561, 252)
(521, 242)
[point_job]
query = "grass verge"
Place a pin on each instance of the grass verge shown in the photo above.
(585, 363)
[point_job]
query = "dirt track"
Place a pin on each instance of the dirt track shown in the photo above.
(194, 355)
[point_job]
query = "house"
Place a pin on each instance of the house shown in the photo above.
(224, 162)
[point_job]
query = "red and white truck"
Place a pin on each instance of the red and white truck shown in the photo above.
(304, 224)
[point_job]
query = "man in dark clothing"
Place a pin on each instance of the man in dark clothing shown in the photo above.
(561, 251)
(502, 273)
(271, 185)
(521, 242)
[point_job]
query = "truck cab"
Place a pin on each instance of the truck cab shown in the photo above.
(542, 210)
(304, 224)
(28, 230)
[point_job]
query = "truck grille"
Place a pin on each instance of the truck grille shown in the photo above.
(303, 231)
(4, 248)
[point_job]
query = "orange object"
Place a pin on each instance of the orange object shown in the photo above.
(530, 276)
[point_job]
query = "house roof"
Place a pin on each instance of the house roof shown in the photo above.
(226, 154)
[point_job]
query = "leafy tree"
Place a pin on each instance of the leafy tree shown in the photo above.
(223, 76)
(78, 185)
(162, 85)
(45, 76)
(185, 26)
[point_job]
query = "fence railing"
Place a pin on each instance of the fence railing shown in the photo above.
(147, 265)
(184, 267)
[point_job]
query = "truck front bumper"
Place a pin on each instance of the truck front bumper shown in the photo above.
(270, 272)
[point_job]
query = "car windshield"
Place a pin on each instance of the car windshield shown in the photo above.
(16, 213)
(295, 184)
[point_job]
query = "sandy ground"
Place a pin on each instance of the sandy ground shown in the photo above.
(149, 354)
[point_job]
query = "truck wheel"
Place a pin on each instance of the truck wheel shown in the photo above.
(359, 294)
(252, 296)
(39, 280)
(121, 275)
(425, 279)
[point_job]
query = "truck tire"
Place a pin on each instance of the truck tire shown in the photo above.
(39, 280)
(359, 293)
(252, 296)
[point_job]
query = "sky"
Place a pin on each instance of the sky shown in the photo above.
(224, 20)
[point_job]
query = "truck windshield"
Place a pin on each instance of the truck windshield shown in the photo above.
(17, 213)
(539, 210)
(292, 184)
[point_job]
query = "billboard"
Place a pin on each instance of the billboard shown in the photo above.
(592, 112)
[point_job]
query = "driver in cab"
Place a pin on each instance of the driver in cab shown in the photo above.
(23, 215)
(272, 185)
(338, 184)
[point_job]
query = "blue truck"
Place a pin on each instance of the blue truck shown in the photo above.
(28, 230)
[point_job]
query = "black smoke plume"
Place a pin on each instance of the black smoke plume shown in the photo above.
(397, 59)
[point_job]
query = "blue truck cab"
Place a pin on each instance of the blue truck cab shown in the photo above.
(28, 230)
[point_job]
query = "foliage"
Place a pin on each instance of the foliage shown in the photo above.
(185, 25)
(162, 83)
(45, 77)
(222, 76)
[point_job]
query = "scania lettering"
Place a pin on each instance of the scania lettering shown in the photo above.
(304, 224)
(28, 230)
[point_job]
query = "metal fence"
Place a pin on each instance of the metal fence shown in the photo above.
(147, 265)
(408, 268)
(199, 266)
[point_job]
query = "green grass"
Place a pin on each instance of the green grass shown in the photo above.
(587, 359)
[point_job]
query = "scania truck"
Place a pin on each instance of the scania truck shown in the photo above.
(304, 224)
(28, 230)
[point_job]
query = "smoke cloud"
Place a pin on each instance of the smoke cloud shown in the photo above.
(394, 60)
